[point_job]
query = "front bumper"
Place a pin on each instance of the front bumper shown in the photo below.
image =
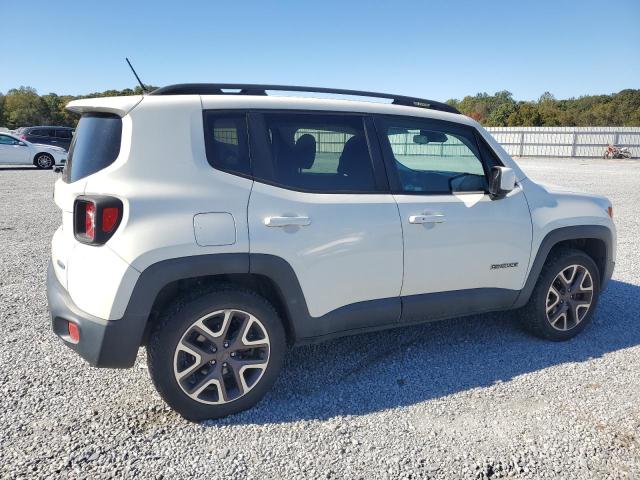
(103, 343)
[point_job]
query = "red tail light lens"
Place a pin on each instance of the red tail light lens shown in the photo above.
(96, 218)
(90, 221)
(110, 218)
(74, 332)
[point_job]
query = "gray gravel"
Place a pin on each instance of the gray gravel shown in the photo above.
(470, 398)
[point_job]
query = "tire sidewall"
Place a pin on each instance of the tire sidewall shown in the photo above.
(548, 276)
(163, 342)
(51, 161)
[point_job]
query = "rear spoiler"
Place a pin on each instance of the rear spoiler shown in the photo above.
(118, 105)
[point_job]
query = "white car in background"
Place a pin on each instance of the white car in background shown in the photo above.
(14, 151)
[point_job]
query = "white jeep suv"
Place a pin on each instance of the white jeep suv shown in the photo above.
(216, 224)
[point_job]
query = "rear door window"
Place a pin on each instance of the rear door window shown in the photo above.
(322, 153)
(95, 146)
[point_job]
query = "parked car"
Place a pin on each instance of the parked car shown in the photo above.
(14, 151)
(269, 221)
(57, 136)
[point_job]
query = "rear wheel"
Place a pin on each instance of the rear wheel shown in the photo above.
(43, 161)
(565, 297)
(216, 355)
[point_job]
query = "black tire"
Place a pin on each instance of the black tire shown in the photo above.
(534, 314)
(39, 161)
(179, 318)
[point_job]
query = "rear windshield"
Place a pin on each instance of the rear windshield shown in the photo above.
(96, 144)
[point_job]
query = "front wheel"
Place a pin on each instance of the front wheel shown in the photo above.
(43, 161)
(216, 355)
(565, 297)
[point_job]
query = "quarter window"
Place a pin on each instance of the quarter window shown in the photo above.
(227, 143)
(432, 157)
(319, 152)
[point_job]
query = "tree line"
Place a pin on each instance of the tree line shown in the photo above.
(501, 110)
(21, 107)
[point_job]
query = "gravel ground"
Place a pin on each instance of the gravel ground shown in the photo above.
(470, 398)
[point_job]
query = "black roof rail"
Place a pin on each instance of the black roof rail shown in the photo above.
(250, 89)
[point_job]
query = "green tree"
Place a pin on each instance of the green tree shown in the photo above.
(54, 109)
(2, 119)
(500, 115)
(24, 107)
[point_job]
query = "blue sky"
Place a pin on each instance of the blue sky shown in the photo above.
(436, 49)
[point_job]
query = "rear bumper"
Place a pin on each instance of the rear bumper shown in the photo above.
(103, 343)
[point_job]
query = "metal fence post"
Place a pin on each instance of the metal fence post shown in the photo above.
(573, 144)
(521, 151)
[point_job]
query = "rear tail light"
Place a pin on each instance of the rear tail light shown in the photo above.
(23, 137)
(74, 332)
(96, 218)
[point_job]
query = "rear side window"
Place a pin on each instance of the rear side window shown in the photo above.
(63, 134)
(319, 152)
(95, 146)
(226, 142)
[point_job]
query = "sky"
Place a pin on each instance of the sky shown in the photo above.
(432, 49)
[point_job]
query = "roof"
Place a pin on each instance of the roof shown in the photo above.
(261, 90)
(59, 127)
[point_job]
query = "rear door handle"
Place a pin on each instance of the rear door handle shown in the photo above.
(287, 221)
(427, 218)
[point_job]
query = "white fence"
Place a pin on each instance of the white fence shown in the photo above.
(565, 141)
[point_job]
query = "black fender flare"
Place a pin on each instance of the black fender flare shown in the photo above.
(576, 232)
(361, 315)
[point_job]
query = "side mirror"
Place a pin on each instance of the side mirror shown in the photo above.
(503, 180)
(22, 144)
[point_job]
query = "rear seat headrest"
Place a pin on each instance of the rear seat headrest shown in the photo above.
(304, 151)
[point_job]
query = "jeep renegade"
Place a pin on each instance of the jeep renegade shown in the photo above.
(216, 224)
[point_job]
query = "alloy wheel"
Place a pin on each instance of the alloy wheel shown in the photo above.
(221, 356)
(569, 297)
(44, 161)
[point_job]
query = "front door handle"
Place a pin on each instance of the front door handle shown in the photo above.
(287, 221)
(427, 218)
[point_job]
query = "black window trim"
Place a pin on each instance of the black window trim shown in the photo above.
(389, 160)
(260, 153)
(385, 173)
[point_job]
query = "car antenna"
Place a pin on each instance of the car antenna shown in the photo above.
(144, 89)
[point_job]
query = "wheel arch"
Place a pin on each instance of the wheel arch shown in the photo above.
(595, 240)
(164, 281)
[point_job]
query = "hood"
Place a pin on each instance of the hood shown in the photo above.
(52, 148)
(574, 192)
